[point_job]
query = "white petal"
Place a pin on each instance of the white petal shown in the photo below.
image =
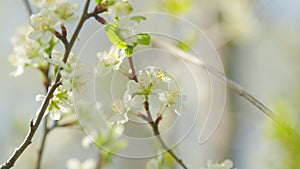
(35, 35)
(119, 129)
(73, 164)
(39, 97)
(152, 164)
(55, 115)
(89, 164)
(46, 37)
(18, 72)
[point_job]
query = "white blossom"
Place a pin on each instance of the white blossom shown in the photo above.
(74, 74)
(43, 23)
(65, 11)
(89, 139)
(27, 52)
(152, 164)
(227, 164)
(154, 86)
(119, 9)
(110, 61)
(53, 13)
(76, 164)
(120, 113)
(126, 30)
(60, 103)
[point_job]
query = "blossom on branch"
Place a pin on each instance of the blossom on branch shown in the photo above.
(110, 61)
(227, 164)
(154, 86)
(74, 163)
(27, 52)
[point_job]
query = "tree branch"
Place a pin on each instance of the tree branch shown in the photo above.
(230, 83)
(28, 7)
(148, 118)
(47, 82)
(154, 126)
(42, 146)
(34, 124)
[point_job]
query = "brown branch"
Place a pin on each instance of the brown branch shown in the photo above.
(47, 81)
(230, 83)
(133, 74)
(154, 126)
(34, 124)
(42, 146)
(100, 163)
(149, 119)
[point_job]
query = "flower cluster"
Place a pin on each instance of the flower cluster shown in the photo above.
(60, 103)
(35, 42)
(109, 140)
(155, 86)
(74, 163)
(110, 61)
(27, 52)
(227, 164)
(119, 9)
(52, 14)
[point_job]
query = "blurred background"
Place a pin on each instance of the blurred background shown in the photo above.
(258, 43)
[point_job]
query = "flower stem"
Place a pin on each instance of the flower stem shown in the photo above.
(154, 126)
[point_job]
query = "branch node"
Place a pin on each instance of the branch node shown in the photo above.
(100, 19)
(31, 123)
(63, 31)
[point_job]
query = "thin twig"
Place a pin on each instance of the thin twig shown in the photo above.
(149, 119)
(42, 146)
(133, 74)
(28, 7)
(47, 81)
(230, 83)
(34, 124)
(100, 162)
(154, 126)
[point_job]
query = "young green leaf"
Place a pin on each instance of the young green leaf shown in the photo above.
(106, 2)
(138, 19)
(143, 39)
(129, 51)
(113, 37)
(97, 1)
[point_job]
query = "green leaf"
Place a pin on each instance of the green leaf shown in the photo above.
(106, 2)
(143, 39)
(129, 51)
(97, 1)
(138, 19)
(113, 37)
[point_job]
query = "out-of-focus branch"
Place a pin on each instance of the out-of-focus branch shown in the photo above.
(28, 7)
(230, 83)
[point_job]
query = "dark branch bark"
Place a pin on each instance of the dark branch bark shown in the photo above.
(34, 124)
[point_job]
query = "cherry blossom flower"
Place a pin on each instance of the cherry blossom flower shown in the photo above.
(27, 52)
(119, 9)
(227, 164)
(154, 86)
(110, 61)
(74, 163)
